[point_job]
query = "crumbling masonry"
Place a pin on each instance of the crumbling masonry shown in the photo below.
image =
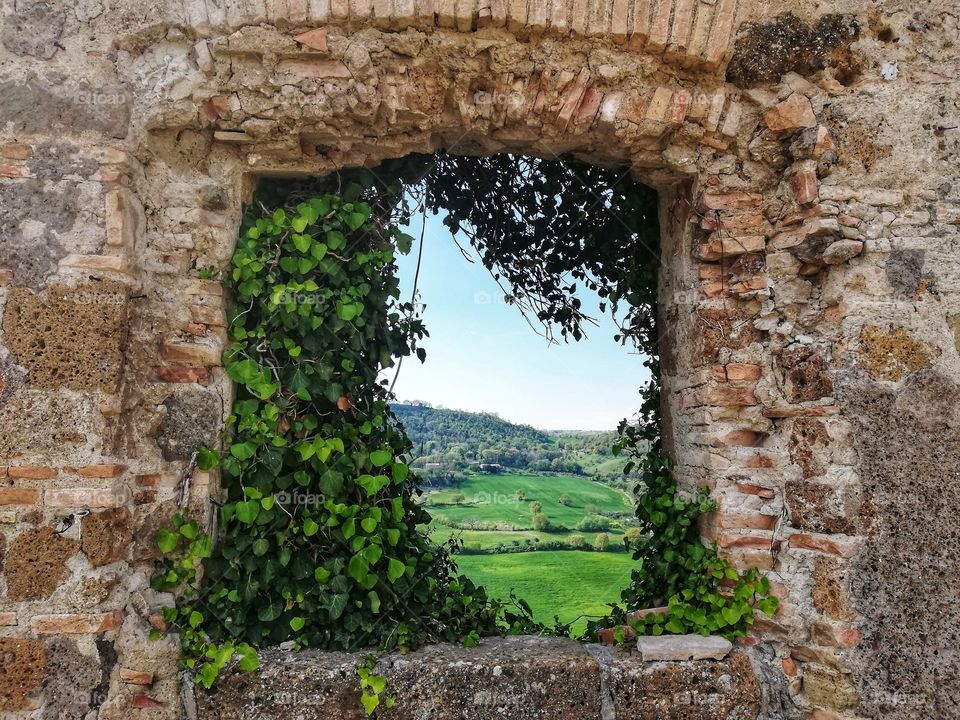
(807, 157)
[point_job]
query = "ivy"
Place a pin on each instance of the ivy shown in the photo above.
(321, 538)
(322, 541)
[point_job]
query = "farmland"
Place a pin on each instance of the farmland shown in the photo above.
(492, 515)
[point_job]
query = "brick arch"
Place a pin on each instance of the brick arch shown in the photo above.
(685, 33)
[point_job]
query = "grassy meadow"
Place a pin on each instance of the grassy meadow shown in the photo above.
(494, 512)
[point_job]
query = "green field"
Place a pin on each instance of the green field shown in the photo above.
(493, 498)
(566, 583)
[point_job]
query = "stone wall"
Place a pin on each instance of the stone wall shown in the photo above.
(806, 155)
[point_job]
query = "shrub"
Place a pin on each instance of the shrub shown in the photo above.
(565, 500)
(541, 522)
(576, 541)
(601, 541)
(594, 523)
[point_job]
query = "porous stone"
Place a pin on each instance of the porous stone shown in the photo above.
(21, 672)
(36, 563)
(192, 419)
(70, 682)
(806, 373)
(84, 354)
(105, 536)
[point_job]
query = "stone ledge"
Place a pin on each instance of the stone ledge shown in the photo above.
(522, 677)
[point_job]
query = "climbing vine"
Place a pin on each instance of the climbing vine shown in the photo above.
(321, 539)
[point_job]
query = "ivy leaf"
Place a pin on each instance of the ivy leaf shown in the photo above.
(349, 528)
(243, 451)
(166, 540)
(321, 574)
(195, 619)
(247, 511)
(374, 601)
(370, 702)
(372, 484)
(207, 459)
(260, 547)
(310, 527)
(358, 568)
(393, 536)
(270, 612)
(379, 458)
(731, 615)
(338, 603)
(395, 569)
(302, 242)
(249, 661)
(297, 623)
(368, 524)
(400, 472)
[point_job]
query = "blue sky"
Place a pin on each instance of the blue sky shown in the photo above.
(482, 355)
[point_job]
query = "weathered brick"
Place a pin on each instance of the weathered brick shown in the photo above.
(743, 438)
(7, 619)
(18, 496)
(759, 491)
(11, 171)
(208, 315)
(82, 498)
(16, 151)
(794, 113)
(98, 471)
(752, 542)
(315, 39)
(76, 624)
(841, 636)
(804, 186)
(191, 353)
(818, 543)
(731, 397)
(174, 374)
(31, 472)
(136, 677)
(737, 200)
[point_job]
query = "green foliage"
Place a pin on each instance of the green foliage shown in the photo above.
(704, 593)
(321, 537)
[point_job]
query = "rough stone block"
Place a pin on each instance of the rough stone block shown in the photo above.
(683, 647)
(37, 563)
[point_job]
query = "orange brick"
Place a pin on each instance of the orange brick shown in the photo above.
(818, 543)
(737, 521)
(730, 397)
(760, 461)
(99, 471)
(743, 559)
(16, 151)
(789, 667)
(737, 372)
(752, 542)
(743, 438)
(32, 472)
(136, 677)
(729, 201)
(11, 171)
(804, 186)
(142, 700)
(8, 618)
(76, 624)
(759, 491)
(109, 176)
(18, 496)
(171, 374)
(190, 353)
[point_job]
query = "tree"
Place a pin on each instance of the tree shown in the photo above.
(601, 541)
(520, 495)
(457, 498)
(631, 537)
(565, 500)
(592, 509)
(535, 507)
(576, 541)
(540, 522)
